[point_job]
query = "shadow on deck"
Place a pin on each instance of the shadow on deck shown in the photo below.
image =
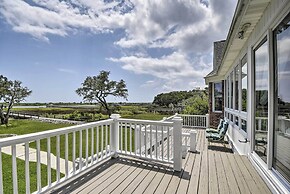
(212, 169)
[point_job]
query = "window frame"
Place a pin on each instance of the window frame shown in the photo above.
(213, 97)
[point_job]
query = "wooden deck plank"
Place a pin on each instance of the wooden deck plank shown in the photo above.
(83, 184)
(184, 181)
(134, 167)
(147, 180)
(86, 188)
(246, 174)
(155, 181)
(124, 184)
(105, 184)
(230, 175)
(213, 179)
(222, 180)
(238, 174)
(203, 180)
(173, 184)
(194, 180)
(164, 182)
(135, 183)
(260, 183)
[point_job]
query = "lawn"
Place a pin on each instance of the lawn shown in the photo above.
(7, 175)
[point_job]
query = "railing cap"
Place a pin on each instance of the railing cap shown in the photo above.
(177, 118)
(115, 116)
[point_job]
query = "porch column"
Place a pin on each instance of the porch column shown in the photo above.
(177, 143)
(114, 137)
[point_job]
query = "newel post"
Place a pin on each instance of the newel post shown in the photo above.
(114, 137)
(177, 143)
(207, 120)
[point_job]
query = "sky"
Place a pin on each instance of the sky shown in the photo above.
(154, 45)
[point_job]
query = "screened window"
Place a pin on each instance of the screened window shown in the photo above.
(281, 160)
(218, 95)
(261, 102)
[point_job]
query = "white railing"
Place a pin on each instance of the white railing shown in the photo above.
(195, 121)
(85, 145)
(152, 139)
(282, 122)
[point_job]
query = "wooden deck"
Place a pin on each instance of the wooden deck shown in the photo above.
(212, 169)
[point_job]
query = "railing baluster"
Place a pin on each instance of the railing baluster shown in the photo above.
(106, 128)
(121, 136)
(14, 170)
(66, 155)
(150, 141)
(135, 138)
(126, 146)
(92, 146)
(140, 139)
(48, 162)
(162, 139)
(87, 146)
(97, 142)
(57, 158)
(109, 139)
(74, 152)
(130, 138)
(102, 141)
(38, 169)
(156, 145)
(81, 150)
(27, 175)
(1, 172)
(145, 139)
(167, 143)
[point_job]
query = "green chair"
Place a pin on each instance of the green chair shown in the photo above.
(218, 137)
(217, 130)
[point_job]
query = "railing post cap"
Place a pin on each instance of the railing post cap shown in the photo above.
(115, 116)
(178, 118)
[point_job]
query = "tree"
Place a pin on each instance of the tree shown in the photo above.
(197, 105)
(98, 88)
(11, 92)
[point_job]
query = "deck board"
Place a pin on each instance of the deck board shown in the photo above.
(213, 168)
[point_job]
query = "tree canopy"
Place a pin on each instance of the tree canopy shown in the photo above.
(98, 88)
(175, 97)
(11, 92)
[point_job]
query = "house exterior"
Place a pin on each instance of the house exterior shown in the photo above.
(250, 87)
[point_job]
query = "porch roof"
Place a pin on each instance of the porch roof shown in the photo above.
(247, 12)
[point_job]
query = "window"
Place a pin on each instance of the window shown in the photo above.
(236, 82)
(261, 99)
(218, 96)
(231, 90)
(281, 160)
(244, 83)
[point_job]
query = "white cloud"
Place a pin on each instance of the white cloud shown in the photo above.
(187, 27)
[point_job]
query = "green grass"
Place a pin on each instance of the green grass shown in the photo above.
(7, 175)
(23, 126)
(146, 116)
